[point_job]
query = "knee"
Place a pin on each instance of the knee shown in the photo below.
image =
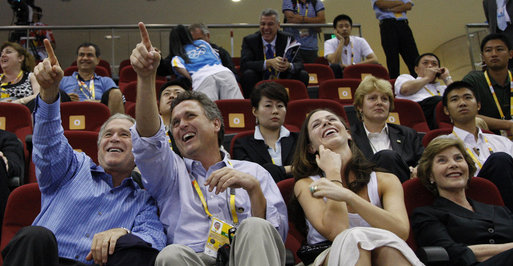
(172, 254)
(37, 233)
(501, 156)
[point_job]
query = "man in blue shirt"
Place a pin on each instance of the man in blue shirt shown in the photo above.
(88, 212)
(85, 85)
(304, 12)
(205, 186)
(396, 35)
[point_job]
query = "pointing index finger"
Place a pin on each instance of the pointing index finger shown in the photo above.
(145, 37)
(50, 52)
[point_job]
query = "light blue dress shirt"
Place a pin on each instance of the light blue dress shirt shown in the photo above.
(381, 14)
(78, 199)
(69, 84)
(168, 178)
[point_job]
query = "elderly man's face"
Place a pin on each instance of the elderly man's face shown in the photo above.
(197, 34)
(269, 27)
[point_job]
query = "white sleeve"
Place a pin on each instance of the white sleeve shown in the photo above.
(365, 48)
(400, 81)
(330, 47)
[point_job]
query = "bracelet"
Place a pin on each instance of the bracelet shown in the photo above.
(447, 78)
(337, 181)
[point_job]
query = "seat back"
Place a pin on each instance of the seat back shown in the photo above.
(408, 113)
(318, 73)
(123, 64)
(237, 115)
(295, 88)
(239, 135)
(416, 195)
(341, 90)
(442, 120)
(99, 70)
(88, 116)
(430, 135)
(22, 207)
(359, 71)
(299, 109)
(126, 75)
(294, 237)
(84, 141)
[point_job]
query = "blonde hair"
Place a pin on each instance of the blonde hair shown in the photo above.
(370, 84)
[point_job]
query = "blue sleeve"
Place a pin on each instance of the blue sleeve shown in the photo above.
(148, 227)
(108, 83)
(287, 5)
(319, 6)
(54, 158)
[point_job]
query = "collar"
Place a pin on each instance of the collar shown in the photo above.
(273, 42)
(193, 165)
(75, 74)
(383, 130)
(284, 132)
(468, 137)
(98, 172)
(351, 39)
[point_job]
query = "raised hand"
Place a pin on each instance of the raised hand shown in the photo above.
(330, 162)
(145, 59)
(49, 74)
(331, 190)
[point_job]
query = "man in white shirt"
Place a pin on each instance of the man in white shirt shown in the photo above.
(345, 50)
(425, 89)
(491, 153)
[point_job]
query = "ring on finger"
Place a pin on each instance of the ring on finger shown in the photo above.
(313, 189)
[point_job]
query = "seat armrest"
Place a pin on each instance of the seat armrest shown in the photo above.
(432, 255)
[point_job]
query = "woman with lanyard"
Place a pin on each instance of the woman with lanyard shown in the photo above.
(18, 84)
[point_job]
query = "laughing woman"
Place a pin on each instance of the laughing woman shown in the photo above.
(344, 199)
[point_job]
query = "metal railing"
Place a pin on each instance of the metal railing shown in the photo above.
(475, 33)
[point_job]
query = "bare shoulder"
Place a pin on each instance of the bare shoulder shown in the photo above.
(302, 185)
(388, 182)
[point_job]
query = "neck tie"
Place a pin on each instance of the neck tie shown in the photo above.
(502, 21)
(269, 54)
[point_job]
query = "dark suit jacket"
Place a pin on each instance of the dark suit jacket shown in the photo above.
(250, 149)
(252, 54)
(12, 148)
(453, 227)
(404, 140)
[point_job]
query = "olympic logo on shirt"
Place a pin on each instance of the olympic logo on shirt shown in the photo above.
(197, 52)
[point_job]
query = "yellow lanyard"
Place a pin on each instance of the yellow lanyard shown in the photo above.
(4, 93)
(204, 202)
(306, 9)
(169, 139)
(432, 94)
(495, 96)
(471, 152)
(82, 85)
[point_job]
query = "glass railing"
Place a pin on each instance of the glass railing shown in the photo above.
(475, 33)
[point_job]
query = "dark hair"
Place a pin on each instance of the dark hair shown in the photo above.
(38, 11)
(179, 37)
(495, 36)
(305, 165)
(209, 108)
(28, 63)
(185, 83)
(342, 17)
(87, 44)
(455, 86)
(271, 90)
(417, 60)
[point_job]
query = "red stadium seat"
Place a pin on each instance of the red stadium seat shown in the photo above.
(99, 70)
(295, 88)
(294, 238)
(318, 73)
(84, 141)
(103, 63)
(430, 135)
(237, 115)
(408, 113)
(359, 71)
(299, 109)
(88, 116)
(341, 90)
(442, 120)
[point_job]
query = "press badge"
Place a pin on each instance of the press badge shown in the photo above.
(217, 236)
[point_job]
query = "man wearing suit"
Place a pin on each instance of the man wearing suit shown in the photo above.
(392, 147)
(499, 14)
(262, 54)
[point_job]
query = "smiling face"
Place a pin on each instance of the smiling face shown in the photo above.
(375, 107)
(449, 171)
(269, 27)
(11, 59)
(167, 96)
(462, 106)
(496, 55)
(195, 135)
(87, 59)
(326, 128)
(270, 113)
(115, 148)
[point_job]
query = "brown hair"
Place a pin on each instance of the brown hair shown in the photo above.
(436, 146)
(28, 63)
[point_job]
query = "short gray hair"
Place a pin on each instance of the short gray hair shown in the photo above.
(200, 26)
(114, 116)
(270, 12)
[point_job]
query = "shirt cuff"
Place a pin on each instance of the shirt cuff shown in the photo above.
(44, 109)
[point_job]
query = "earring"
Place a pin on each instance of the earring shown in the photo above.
(431, 182)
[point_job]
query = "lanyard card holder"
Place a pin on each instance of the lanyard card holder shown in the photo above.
(218, 235)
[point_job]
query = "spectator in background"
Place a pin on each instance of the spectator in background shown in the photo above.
(304, 12)
(12, 164)
(499, 14)
(86, 85)
(168, 92)
(272, 145)
(262, 55)
(425, 89)
(396, 35)
(345, 50)
(40, 35)
(199, 31)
